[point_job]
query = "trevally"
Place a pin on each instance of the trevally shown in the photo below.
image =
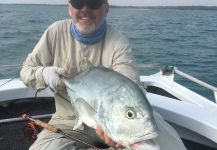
(107, 98)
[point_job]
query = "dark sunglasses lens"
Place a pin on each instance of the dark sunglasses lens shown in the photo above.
(92, 4)
(77, 4)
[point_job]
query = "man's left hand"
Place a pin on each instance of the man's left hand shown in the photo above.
(106, 138)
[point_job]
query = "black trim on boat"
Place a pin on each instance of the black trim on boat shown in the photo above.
(196, 146)
(159, 91)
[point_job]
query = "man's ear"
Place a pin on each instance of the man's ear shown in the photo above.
(69, 9)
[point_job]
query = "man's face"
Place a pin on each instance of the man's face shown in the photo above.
(88, 20)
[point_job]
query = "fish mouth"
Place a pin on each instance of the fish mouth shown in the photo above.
(139, 140)
(147, 144)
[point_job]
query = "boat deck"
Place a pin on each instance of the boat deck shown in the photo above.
(12, 135)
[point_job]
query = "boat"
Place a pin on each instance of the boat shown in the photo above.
(192, 115)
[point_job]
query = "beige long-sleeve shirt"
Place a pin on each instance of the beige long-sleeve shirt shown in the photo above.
(57, 47)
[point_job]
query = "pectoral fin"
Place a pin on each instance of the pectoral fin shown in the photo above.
(78, 124)
(85, 113)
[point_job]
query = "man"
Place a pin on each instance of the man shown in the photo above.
(62, 51)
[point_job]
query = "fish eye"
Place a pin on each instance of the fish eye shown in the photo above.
(130, 113)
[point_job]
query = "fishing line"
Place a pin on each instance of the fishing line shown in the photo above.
(30, 129)
(27, 110)
(9, 80)
(9, 67)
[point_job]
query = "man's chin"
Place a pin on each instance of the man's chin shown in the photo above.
(86, 29)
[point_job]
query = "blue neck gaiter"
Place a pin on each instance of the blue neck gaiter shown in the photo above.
(89, 38)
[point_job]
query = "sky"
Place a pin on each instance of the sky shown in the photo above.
(128, 2)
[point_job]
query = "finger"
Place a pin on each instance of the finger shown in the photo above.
(100, 132)
(61, 71)
(109, 141)
(106, 138)
(118, 146)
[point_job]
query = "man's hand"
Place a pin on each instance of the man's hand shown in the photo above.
(106, 138)
(51, 76)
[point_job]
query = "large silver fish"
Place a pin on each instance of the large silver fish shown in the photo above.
(107, 98)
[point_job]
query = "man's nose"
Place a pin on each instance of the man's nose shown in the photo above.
(85, 8)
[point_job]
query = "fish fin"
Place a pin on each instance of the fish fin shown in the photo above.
(77, 124)
(86, 113)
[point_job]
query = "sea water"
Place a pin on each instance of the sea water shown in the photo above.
(185, 38)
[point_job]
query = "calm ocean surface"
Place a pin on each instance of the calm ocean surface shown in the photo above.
(184, 38)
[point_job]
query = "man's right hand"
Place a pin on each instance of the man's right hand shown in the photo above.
(51, 76)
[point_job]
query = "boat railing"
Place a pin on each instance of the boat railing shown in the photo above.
(10, 120)
(173, 70)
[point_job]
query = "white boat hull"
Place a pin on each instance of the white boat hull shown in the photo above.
(192, 115)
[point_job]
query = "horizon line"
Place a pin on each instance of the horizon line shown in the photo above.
(114, 5)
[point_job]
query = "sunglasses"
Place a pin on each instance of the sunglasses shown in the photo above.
(92, 4)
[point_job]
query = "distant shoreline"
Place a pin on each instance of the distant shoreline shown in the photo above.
(169, 7)
(140, 7)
